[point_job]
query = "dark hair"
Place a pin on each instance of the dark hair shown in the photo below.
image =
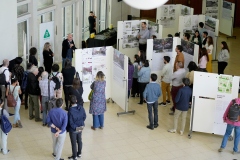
(18, 60)
(40, 70)
(167, 58)
(180, 48)
(154, 37)
(29, 66)
(1, 101)
(153, 77)
(177, 34)
(187, 35)
(129, 61)
(33, 51)
(59, 102)
(146, 63)
(192, 66)
(68, 63)
(136, 58)
(198, 33)
(210, 40)
(206, 33)
(201, 24)
(13, 79)
(144, 23)
(55, 68)
(170, 36)
(76, 83)
(142, 57)
(186, 81)
(225, 46)
(203, 52)
(91, 11)
(73, 99)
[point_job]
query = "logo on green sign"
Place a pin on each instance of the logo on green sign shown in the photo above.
(46, 34)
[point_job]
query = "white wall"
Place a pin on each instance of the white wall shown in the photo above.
(135, 12)
(8, 31)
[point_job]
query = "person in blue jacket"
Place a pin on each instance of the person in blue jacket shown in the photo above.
(76, 118)
(182, 105)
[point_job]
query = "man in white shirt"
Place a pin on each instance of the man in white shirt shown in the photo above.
(177, 77)
(4, 69)
(166, 79)
(143, 36)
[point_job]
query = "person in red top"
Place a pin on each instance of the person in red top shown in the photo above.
(230, 126)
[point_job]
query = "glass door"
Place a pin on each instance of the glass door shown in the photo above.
(102, 15)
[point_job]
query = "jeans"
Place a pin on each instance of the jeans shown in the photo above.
(16, 114)
(76, 138)
(165, 89)
(3, 141)
(176, 116)
(33, 103)
(228, 133)
(221, 67)
(58, 143)
(174, 92)
(142, 87)
(153, 109)
(44, 108)
(98, 120)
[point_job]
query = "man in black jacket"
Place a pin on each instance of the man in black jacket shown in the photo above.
(33, 92)
(68, 47)
(92, 22)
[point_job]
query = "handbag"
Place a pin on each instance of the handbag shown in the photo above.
(90, 95)
(11, 102)
(51, 103)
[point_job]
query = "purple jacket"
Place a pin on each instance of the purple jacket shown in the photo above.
(130, 76)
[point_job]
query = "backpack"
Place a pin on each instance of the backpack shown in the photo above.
(3, 78)
(6, 125)
(56, 81)
(24, 81)
(11, 102)
(234, 112)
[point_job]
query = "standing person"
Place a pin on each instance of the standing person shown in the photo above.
(3, 136)
(18, 71)
(143, 36)
(24, 84)
(209, 47)
(201, 29)
(33, 92)
(32, 57)
(196, 39)
(59, 75)
(143, 78)
(130, 75)
(179, 57)
(76, 118)
(203, 59)
(186, 37)
(204, 39)
(142, 57)
(98, 101)
(230, 126)
(4, 69)
(92, 22)
(182, 105)
(57, 119)
(135, 89)
(166, 76)
(77, 90)
(223, 58)
(151, 94)
(177, 77)
(68, 47)
(192, 67)
(47, 91)
(15, 90)
(68, 73)
(47, 57)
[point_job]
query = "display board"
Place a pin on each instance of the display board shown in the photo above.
(154, 29)
(215, 94)
(168, 17)
(211, 8)
(188, 24)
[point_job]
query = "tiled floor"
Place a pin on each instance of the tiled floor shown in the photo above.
(126, 137)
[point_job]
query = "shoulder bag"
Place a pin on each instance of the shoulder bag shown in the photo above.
(11, 102)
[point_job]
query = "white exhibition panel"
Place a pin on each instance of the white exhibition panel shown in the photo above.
(210, 9)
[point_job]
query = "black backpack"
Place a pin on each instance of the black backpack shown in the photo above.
(56, 81)
(234, 112)
(3, 78)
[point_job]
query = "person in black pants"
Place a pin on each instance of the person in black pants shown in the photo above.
(47, 57)
(77, 90)
(32, 58)
(223, 58)
(68, 76)
(76, 118)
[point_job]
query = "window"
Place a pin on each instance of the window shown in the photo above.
(22, 34)
(67, 20)
(44, 3)
(22, 9)
(87, 7)
(102, 15)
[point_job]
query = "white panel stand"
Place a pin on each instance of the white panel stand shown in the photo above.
(235, 37)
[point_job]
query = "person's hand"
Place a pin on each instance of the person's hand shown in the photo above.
(71, 45)
(139, 67)
(56, 134)
(52, 54)
(138, 36)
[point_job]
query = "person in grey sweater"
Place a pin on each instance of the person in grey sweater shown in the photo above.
(143, 78)
(223, 58)
(151, 94)
(143, 36)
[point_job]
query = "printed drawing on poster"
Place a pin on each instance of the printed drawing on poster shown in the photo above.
(211, 3)
(153, 28)
(164, 10)
(98, 61)
(227, 10)
(163, 45)
(118, 67)
(225, 84)
(188, 47)
(185, 10)
(168, 16)
(87, 66)
(190, 24)
(210, 23)
(167, 22)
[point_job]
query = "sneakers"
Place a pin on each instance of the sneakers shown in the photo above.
(168, 102)
(79, 155)
(72, 158)
(19, 124)
(172, 130)
(38, 120)
(31, 117)
(5, 153)
(155, 126)
(235, 152)
(181, 133)
(53, 155)
(162, 104)
(149, 127)
(221, 149)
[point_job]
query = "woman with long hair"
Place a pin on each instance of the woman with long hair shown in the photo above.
(130, 75)
(98, 101)
(209, 47)
(190, 75)
(203, 59)
(32, 56)
(196, 39)
(135, 89)
(142, 57)
(223, 58)
(77, 90)
(47, 57)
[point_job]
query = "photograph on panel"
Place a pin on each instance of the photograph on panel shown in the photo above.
(188, 47)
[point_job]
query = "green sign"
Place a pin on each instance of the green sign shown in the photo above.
(46, 34)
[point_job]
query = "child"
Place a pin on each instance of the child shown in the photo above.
(182, 105)
(151, 94)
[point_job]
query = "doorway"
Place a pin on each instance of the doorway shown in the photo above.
(148, 14)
